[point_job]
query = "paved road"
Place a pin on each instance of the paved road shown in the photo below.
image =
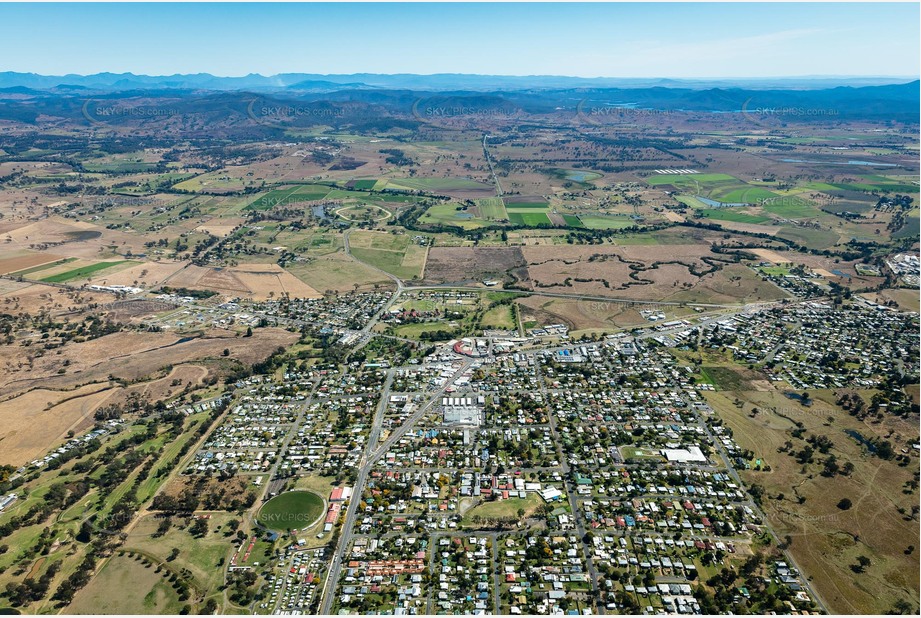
(767, 526)
(492, 170)
(571, 496)
(370, 457)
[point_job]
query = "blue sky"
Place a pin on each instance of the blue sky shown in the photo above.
(613, 40)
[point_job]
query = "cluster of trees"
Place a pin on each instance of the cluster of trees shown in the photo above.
(77, 580)
(30, 590)
(241, 586)
(397, 157)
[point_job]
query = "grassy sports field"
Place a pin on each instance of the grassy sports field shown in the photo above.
(291, 510)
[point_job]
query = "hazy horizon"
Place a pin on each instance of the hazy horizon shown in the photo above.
(637, 77)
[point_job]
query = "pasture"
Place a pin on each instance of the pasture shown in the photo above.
(719, 187)
(438, 185)
(791, 208)
(602, 222)
(392, 253)
(492, 208)
(732, 214)
(127, 586)
(451, 213)
(800, 502)
(337, 272)
(288, 196)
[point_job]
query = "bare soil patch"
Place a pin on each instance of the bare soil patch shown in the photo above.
(469, 264)
(25, 260)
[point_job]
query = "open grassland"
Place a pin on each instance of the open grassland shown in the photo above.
(337, 272)
(221, 181)
(601, 222)
(255, 281)
(127, 586)
(395, 254)
(456, 264)
(288, 196)
(801, 503)
(438, 185)
(906, 299)
(813, 238)
(360, 212)
(502, 316)
(732, 214)
(587, 316)
(720, 187)
(503, 509)
(792, 208)
(202, 556)
(40, 404)
(451, 213)
(687, 274)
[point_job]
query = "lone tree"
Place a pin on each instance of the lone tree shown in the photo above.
(862, 563)
(844, 504)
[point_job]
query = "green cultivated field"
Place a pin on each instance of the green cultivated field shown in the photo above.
(511, 206)
(572, 221)
(84, 271)
(600, 222)
(291, 510)
(529, 218)
(492, 208)
(750, 195)
(687, 180)
(290, 195)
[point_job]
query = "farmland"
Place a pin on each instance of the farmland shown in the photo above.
(289, 196)
(439, 352)
(396, 254)
(82, 272)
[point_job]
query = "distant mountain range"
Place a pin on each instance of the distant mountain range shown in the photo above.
(438, 82)
(260, 103)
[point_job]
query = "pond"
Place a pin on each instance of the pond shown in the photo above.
(715, 204)
(853, 162)
(859, 437)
